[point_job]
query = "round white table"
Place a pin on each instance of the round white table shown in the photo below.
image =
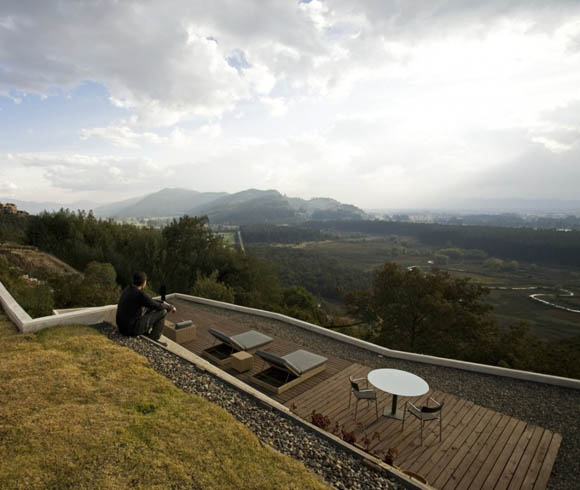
(397, 383)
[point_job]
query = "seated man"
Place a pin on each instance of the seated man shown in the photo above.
(138, 314)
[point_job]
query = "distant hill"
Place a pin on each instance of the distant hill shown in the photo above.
(246, 207)
(109, 210)
(251, 206)
(256, 206)
(165, 203)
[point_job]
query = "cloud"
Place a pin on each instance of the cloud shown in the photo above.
(376, 102)
(87, 173)
(122, 136)
(539, 173)
(166, 66)
(7, 188)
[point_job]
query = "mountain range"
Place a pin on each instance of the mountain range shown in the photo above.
(246, 207)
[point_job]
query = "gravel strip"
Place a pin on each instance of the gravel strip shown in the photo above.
(337, 467)
(551, 407)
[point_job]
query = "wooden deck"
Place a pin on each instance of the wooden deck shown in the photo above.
(480, 448)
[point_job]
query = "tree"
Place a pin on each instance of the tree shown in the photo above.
(302, 304)
(188, 248)
(209, 287)
(99, 286)
(432, 312)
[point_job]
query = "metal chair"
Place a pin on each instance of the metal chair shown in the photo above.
(361, 394)
(426, 414)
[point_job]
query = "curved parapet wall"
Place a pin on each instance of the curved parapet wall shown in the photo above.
(25, 323)
(409, 356)
(87, 316)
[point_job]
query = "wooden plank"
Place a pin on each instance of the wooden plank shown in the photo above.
(411, 454)
(433, 468)
(537, 460)
(323, 397)
(471, 460)
(431, 455)
(523, 467)
(489, 455)
(499, 465)
(333, 391)
(445, 473)
(406, 441)
(516, 458)
(546, 468)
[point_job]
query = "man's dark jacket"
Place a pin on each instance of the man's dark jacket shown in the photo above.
(130, 309)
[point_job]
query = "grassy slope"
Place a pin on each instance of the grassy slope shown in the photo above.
(78, 411)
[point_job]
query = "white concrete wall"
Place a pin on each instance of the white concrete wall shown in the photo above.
(438, 361)
(25, 323)
(88, 316)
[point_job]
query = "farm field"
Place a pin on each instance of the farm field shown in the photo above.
(366, 253)
(229, 238)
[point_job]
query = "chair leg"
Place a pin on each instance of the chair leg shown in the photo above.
(422, 422)
(349, 398)
(356, 408)
(440, 428)
(404, 415)
(377, 409)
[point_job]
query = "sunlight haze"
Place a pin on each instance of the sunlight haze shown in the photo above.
(380, 104)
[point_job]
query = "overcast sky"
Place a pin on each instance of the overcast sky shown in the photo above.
(378, 103)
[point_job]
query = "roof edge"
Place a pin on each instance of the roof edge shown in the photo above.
(409, 356)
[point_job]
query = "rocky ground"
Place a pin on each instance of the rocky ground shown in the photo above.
(339, 468)
(551, 407)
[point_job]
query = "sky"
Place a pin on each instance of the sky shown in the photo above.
(377, 103)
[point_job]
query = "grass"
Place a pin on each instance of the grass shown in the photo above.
(80, 412)
(545, 321)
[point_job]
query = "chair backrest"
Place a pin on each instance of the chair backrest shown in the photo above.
(354, 385)
(426, 409)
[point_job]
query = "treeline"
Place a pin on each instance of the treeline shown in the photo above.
(523, 244)
(185, 256)
(322, 275)
(437, 314)
(13, 227)
(264, 233)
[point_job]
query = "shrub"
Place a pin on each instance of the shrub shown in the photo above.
(320, 420)
(209, 287)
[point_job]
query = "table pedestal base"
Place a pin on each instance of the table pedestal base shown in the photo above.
(397, 415)
(394, 413)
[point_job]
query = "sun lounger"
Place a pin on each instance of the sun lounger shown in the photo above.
(289, 370)
(247, 341)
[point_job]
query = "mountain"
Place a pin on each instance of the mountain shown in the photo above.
(246, 207)
(251, 206)
(256, 206)
(165, 203)
(109, 210)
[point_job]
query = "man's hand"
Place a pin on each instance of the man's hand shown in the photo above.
(172, 308)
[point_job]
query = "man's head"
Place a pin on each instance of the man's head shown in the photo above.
(140, 279)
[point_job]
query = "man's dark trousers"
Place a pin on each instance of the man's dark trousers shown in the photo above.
(151, 323)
